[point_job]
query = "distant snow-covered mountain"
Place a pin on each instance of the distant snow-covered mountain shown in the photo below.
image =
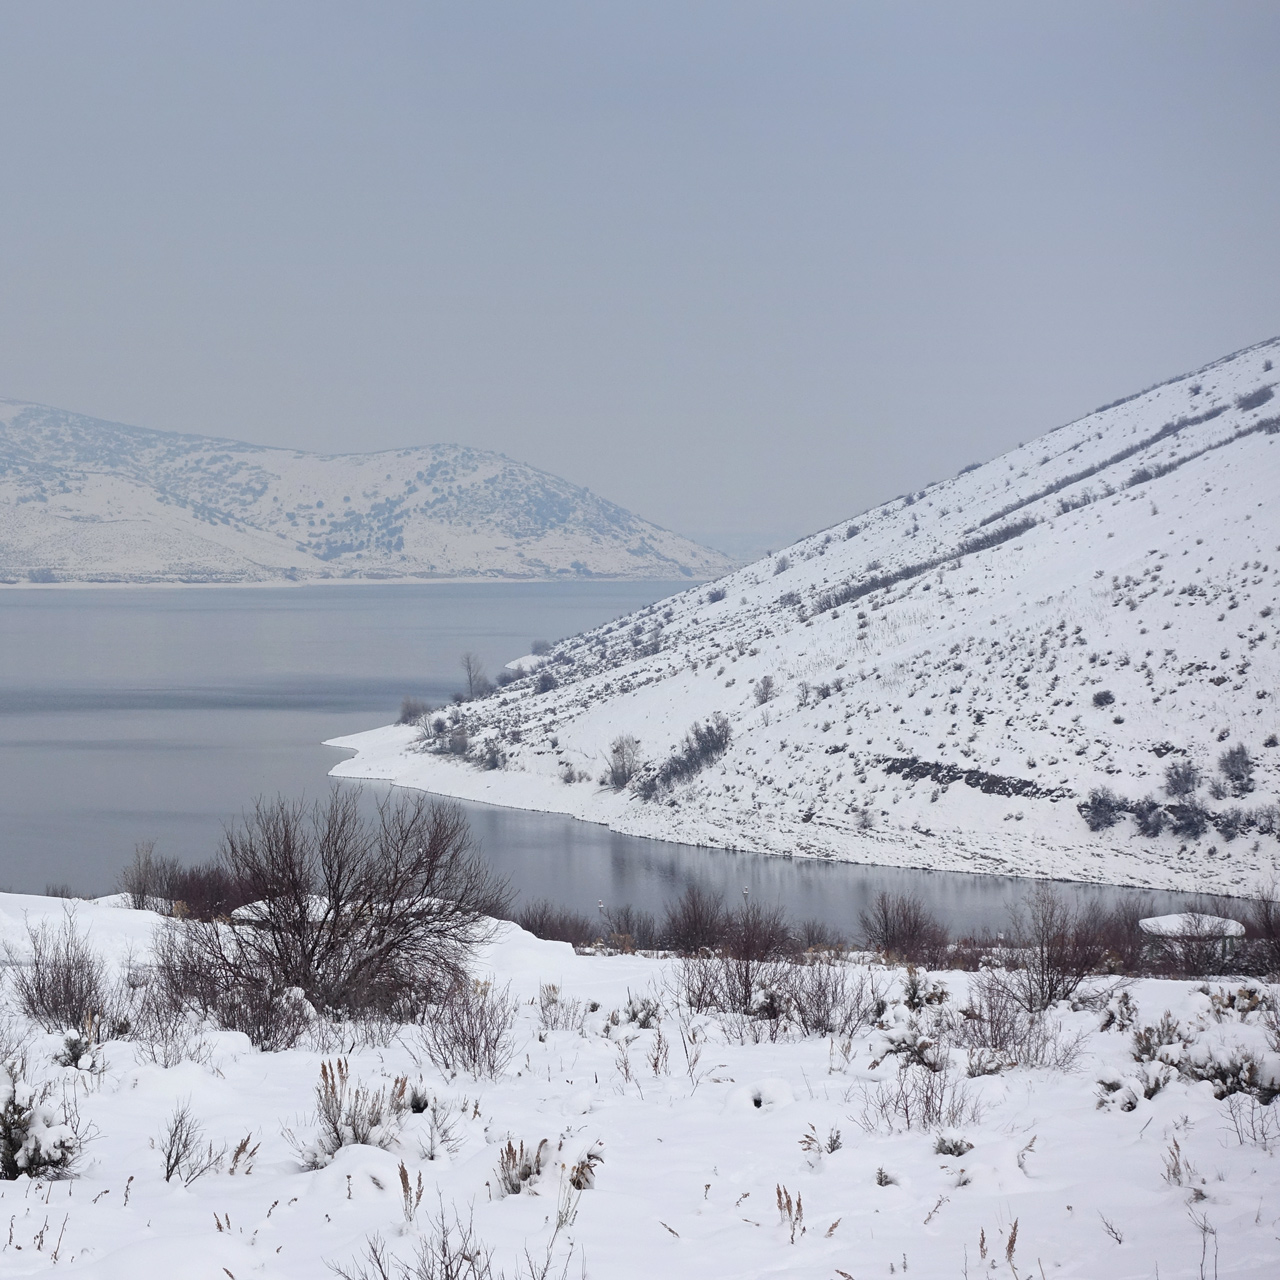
(91, 501)
(996, 673)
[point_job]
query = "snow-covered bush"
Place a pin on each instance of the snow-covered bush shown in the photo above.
(1000, 1032)
(1058, 946)
(916, 1097)
(1102, 809)
(38, 1137)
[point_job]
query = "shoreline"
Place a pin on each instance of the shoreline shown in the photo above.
(381, 755)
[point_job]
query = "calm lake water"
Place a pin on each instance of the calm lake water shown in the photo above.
(158, 714)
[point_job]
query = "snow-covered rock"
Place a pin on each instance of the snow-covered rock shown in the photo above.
(82, 500)
(943, 681)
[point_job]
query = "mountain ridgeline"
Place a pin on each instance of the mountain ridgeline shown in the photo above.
(82, 500)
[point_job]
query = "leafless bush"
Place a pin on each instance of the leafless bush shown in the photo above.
(451, 1250)
(546, 919)
(412, 710)
(1181, 778)
(64, 984)
(901, 927)
(353, 915)
(763, 691)
(917, 1098)
(623, 761)
(695, 921)
(1058, 946)
(471, 1030)
(1262, 922)
(832, 998)
(185, 1154)
(630, 929)
(1000, 1032)
(555, 1013)
(705, 743)
(696, 982)
(516, 1167)
(1253, 1123)
(350, 1113)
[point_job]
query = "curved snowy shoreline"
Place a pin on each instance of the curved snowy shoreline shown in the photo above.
(388, 755)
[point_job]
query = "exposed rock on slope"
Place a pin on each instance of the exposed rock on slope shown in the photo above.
(92, 501)
(993, 674)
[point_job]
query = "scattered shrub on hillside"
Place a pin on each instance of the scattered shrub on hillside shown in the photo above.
(781, 565)
(545, 682)
(1181, 778)
(715, 595)
(1254, 399)
(1190, 820)
(623, 762)
(412, 710)
(703, 744)
(763, 691)
(1237, 766)
(1149, 816)
(901, 927)
(540, 647)
(1103, 698)
(1102, 809)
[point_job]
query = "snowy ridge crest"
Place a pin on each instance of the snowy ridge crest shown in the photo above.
(92, 501)
(994, 674)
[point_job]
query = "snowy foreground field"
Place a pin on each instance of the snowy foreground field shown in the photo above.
(698, 1153)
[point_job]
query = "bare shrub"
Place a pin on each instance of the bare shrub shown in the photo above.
(64, 985)
(917, 1098)
(1058, 947)
(350, 1113)
(1102, 809)
(1262, 921)
(516, 1166)
(832, 998)
(1237, 766)
(471, 1030)
(353, 915)
(696, 920)
(546, 919)
(900, 927)
(183, 1150)
(142, 881)
(450, 1250)
(696, 982)
(477, 683)
(555, 1013)
(763, 691)
(623, 762)
(630, 929)
(1252, 1123)
(1124, 943)
(1149, 817)
(705, 743)
(998, 1029)
(1181, 778)
(412, 710)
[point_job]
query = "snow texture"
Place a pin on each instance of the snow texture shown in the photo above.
(1122, 1161)
(82, 500)
(994, 674)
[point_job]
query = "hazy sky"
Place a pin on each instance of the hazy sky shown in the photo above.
(744, 268)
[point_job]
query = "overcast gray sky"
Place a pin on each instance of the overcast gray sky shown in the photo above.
(744, 268)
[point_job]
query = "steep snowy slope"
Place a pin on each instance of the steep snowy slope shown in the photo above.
(945, 680)
(86, 500)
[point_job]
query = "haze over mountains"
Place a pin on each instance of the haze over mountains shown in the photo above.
(993, 674)
(83, 500)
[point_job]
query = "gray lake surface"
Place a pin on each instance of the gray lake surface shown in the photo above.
(132, 714)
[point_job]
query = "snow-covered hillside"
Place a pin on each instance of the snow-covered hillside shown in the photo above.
(942, 681)
(715, 1147)
(84, 500)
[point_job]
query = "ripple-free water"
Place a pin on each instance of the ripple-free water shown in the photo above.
(130, 714)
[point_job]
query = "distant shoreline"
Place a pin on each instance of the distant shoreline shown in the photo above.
(80, 584)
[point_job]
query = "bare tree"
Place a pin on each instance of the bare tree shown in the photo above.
(1059, 947)
(624, 761)
(356, 915)
(473, 672)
